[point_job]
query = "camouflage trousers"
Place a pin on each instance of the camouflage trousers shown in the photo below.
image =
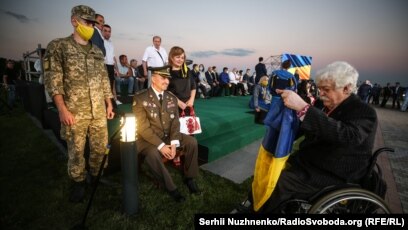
(75, 136)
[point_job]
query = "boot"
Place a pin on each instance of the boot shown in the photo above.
(77, 192)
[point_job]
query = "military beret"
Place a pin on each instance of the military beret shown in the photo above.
(84, 12)
(163, 71)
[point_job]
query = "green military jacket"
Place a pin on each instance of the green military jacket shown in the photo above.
(156, 123)
(79, 75)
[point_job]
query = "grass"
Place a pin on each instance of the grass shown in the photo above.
(35, 187)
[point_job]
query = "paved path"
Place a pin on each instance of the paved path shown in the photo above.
(394, 128)
(392, 132)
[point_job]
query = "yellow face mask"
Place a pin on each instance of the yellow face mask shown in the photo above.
(264, 83)
(85, 32)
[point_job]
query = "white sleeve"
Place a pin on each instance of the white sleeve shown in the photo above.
(146, 55)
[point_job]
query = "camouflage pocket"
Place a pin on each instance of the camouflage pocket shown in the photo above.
(65, 132)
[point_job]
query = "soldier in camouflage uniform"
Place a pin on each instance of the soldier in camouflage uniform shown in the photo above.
(77, 80)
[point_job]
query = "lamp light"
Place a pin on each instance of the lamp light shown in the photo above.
(128, 131)
(129, 164)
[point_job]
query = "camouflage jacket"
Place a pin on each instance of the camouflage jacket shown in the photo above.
(79, 76)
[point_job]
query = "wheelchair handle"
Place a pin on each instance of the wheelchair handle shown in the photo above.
(376, 154)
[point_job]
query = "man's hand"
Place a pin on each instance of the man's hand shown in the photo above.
(66, 117)
(173, 151)
(109, 112)
(291, 99)
(167, 152)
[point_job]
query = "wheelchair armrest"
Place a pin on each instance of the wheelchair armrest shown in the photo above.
(375, 155)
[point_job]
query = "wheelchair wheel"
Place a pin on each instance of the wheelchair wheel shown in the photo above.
(350, 201)
(294, 206)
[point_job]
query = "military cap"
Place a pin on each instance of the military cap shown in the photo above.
(84, 12)
(163, 71)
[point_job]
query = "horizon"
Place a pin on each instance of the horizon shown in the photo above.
(368, 34)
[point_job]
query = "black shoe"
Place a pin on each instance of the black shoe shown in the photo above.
(176, 195)
(192, 186)
(78, 192)
(244, 207)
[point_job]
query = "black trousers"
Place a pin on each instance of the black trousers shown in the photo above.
(395, 98)
(111, 74)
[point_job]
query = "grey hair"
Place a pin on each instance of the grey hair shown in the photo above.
(341, 73)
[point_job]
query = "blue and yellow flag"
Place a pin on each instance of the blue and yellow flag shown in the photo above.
(281, 127)
(301, 63)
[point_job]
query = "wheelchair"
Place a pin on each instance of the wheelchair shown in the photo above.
(364, 198)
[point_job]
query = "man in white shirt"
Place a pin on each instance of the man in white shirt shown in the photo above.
(110, 59)
(233, 80)
(154, 56)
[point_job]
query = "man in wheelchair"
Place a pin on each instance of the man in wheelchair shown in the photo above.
(338, 139)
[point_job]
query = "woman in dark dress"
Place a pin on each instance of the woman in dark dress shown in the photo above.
(182, 84)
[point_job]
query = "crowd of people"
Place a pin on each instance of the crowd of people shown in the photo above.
(166, 84)
(133, 77)
(370, 93)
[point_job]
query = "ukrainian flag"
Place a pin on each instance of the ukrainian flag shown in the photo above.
(281, 127)
(301, 63)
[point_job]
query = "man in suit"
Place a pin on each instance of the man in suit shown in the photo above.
(364, 91)
(260, 70)
(396, 93)
(212, 81)
(97, 37)
(338, 139)
(387, 91)
(158, 131)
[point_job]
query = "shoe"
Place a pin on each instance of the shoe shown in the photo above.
(118, 102)
(244, 207)
(91, 181)
(176, 195)
(78, 192)
(192, 186)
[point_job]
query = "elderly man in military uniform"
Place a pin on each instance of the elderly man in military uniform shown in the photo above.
(158, 132)
(76, 78)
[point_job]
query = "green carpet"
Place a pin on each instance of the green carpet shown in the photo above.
(227, 124)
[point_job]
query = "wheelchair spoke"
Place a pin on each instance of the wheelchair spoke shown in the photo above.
(350, 201)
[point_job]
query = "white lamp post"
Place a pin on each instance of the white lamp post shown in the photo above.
(129, 164)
